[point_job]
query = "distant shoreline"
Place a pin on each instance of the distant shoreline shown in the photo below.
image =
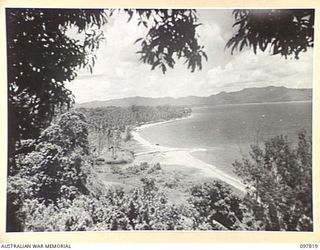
(268, 94)
(256, 103)
(204, 105)
(180, 156)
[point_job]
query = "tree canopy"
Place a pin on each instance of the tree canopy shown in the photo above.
(55, 168)
(279, 182)
(42, 57)
(171, 33)
(284, 31)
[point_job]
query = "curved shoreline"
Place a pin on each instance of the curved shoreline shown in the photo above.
(147, 125)
(182, 156)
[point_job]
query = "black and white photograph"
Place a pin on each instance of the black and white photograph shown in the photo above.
(164, 119)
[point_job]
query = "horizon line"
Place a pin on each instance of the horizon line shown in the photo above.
(162, 97)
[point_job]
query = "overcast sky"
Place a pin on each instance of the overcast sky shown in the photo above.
(118, 72)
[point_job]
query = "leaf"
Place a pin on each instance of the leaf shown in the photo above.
(154, 65)
(254, 47)
(163, 68)
(237, 23)
(243, 43)
(230, 42)
(145, 24)
(130, 16)
(139, 39)
(205, 55)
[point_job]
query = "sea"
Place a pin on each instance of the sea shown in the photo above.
(220, 135)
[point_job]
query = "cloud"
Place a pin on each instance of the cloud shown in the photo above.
(118, 72)
(247, 70)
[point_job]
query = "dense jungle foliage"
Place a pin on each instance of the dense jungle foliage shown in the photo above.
(51, 183)
(57, 189)
(122, 117)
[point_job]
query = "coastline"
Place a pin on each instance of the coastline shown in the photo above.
(168, 156)
(147, 125)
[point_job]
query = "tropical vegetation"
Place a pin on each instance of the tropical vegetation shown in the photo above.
(52, 184)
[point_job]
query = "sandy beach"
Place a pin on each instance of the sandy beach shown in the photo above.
(181, 157)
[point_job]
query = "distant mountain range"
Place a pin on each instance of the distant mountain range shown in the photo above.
(247, 95)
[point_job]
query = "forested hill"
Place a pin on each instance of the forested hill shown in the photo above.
(248, 95)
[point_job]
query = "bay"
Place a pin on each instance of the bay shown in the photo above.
(227, 131)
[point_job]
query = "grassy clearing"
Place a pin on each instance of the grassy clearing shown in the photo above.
(173, 180)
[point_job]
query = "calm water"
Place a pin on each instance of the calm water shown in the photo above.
(227, 131)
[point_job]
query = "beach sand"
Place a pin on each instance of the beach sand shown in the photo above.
(181, 157)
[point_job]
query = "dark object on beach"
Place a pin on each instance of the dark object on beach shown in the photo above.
(119, 161)
(157, 144)
(100, 161)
